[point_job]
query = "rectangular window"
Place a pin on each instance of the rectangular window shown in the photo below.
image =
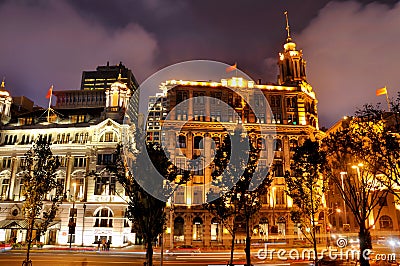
(180, 195)
(80, 162)
(197, 195)
(7, 162)
(280, 196)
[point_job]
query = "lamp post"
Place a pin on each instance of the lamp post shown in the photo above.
(342, 174)
(72, 224)
(357, 167)
(83, 221)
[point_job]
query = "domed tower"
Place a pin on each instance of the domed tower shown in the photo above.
(292, 66)
(5, 104)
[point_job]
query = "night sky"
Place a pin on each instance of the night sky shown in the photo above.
(351, 47)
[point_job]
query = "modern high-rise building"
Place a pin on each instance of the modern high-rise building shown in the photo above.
(104, 76)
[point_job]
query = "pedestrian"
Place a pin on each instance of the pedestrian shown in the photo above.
(98, 245)
(103, 242)
(108, 245)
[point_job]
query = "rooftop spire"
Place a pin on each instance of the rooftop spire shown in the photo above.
(288, 39)
(3, 85)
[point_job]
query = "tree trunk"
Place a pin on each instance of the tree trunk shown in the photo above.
(314, 237)
(365, 244)
(232, 247)
(149, 253)
(27, 260)
(248, 240)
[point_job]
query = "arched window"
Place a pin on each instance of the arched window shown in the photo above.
(179, 229)
(216, 230)
(261, 144)
(109, 136)
(385, 222)
(277, 145)
(216, 141)
(104, 218)
(197, 229)
(181, 141)
(198, 142)
(293, 144)
(263, 228)
(281, 226)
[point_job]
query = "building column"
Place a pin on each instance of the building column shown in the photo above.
(14, 169)
(70, 164)
(190, 106)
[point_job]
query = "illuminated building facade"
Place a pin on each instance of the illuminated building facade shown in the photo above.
(342, 219)
(84, 128)
(156, 112)
(198, 110)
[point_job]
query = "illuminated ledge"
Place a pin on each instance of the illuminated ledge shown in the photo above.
(235, 82)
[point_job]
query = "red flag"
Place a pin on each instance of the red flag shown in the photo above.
(231, 68)
(49, 92)
(381, 91)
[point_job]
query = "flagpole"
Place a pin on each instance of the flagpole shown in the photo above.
(236, 69)
(387, 99)
(48, 109)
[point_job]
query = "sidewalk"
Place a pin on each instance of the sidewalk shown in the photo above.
(89, 249)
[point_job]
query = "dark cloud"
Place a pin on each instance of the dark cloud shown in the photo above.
(51, 44)
(351, 51)
(349, 45)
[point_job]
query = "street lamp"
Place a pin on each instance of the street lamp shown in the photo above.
(342, 174)
(72, 224)
(83, 221)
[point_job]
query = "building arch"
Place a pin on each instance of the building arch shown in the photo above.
(109, 136)
(385, 222)
(179, 229)
(197, 229)
(104, 217)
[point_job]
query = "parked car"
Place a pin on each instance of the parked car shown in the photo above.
(184, 249)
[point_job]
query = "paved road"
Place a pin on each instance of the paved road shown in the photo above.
(52, 258)
(136, 258)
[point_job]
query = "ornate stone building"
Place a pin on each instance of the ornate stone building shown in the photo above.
(84, 128)
(199, 113)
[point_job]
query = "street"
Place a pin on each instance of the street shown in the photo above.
(133, 258)
(53, 258)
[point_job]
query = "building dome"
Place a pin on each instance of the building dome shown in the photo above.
(5, 104)
(119, 85)
(118, 95)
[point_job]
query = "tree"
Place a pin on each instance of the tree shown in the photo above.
(306, 186)
(382, 133)
(354, 168)
(144, 210)
(238, 182)
(40, 181)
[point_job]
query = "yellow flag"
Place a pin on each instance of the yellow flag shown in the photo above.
(381, 91)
